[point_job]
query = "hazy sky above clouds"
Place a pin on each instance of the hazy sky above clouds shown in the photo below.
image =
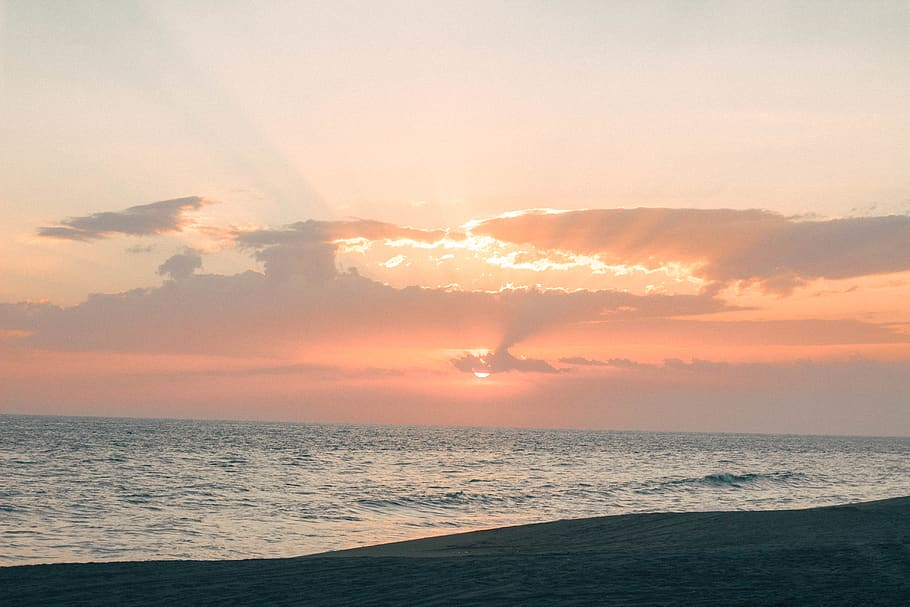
(326, 211)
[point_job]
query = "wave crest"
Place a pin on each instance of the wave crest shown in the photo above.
(729, 480)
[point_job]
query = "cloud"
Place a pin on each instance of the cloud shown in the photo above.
(302, 298)
(305, 252)
(589, 362)
(304, 330)
(581, 361)
(500, 361)
(312, 261)
(146, 219)
(328, 231)
(298, 303)
(307, 249)
(722, 245)
(181, 265)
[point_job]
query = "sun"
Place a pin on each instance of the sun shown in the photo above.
(481, 374)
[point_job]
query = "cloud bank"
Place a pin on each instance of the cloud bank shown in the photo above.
(301, 304)
(302, 296)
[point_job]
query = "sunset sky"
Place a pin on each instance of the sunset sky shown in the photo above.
(667, 216)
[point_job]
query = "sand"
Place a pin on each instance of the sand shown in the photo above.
(844, 555)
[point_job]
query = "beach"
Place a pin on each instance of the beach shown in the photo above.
(856, 554)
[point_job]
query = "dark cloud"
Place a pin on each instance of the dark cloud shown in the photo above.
(146, 219)
(590, 362)
(64, 233)
(774, 251)
(501, 361)
(580, 361)
(181, 265)
(312, 261)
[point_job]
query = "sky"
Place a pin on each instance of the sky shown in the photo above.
(663, 216)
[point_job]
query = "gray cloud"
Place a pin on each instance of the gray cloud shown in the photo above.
(312, 261)
(181, 265)
(146, 219)
(580, 361)
(590, 362)
(774, 251)
(501, 361)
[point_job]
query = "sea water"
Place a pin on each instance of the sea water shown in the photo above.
(104, 489)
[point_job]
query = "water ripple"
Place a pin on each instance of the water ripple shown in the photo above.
(93, 489)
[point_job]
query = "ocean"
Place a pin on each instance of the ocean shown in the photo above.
(116, 489)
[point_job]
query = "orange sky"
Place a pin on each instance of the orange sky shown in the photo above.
(643, 215)
(645, 318)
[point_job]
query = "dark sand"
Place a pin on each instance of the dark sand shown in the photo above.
(844, 555)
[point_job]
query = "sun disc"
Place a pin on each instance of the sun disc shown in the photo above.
(481, 374)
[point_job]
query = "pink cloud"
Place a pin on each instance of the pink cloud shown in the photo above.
(723, 245)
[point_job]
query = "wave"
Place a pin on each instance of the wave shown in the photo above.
(729, 480)
(438, 501)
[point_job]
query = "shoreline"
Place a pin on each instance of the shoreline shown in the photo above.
(849, 554)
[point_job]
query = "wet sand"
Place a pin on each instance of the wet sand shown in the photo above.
(843, 555)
